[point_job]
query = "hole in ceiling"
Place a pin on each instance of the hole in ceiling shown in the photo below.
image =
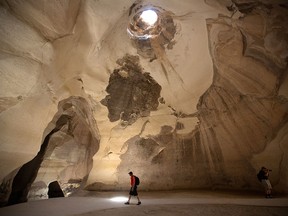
(147, 23)
(149, 17)
(144, 24)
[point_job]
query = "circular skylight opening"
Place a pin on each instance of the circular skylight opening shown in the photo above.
(149, 17)
(147, 22)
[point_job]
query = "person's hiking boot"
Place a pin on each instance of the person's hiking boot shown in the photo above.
(127, 203)
(139, 203)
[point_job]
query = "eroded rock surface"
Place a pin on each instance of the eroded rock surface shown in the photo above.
(133, 93)
(202, 103)
(65, 155)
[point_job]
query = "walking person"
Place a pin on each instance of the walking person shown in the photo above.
(263, 177)
(134, 181)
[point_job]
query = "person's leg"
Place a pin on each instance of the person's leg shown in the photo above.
(139, 202)
(265, 187)
(269, 189)
(128, 200)
(135, 193)
(267, 193)
(130, 194)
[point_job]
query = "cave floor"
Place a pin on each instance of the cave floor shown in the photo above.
(204, 203)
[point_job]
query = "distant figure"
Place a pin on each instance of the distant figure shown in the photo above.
(54, 190)
(134, 181)
(263, 177)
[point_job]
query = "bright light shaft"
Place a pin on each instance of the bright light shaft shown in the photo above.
(149, 17)
(118, 199)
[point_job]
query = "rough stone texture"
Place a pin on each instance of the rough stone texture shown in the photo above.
(132, 92)
(65, 155)
(205, 108)
(72, 150)
(243, 104)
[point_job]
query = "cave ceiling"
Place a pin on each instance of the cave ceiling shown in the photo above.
(90, 90)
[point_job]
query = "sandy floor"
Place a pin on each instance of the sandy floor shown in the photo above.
(204, 203)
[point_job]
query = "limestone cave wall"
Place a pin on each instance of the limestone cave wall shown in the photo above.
(87, 95)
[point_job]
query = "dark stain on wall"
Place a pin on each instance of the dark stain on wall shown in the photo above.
(132, 93)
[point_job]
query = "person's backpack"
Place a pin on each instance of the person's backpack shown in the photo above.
(137, 180)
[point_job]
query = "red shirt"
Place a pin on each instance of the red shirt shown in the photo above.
(132, 181)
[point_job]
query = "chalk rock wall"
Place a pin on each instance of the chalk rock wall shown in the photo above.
(237, 122)
(245, 109)
(204, 105)
(65, 155)
(68, 155)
